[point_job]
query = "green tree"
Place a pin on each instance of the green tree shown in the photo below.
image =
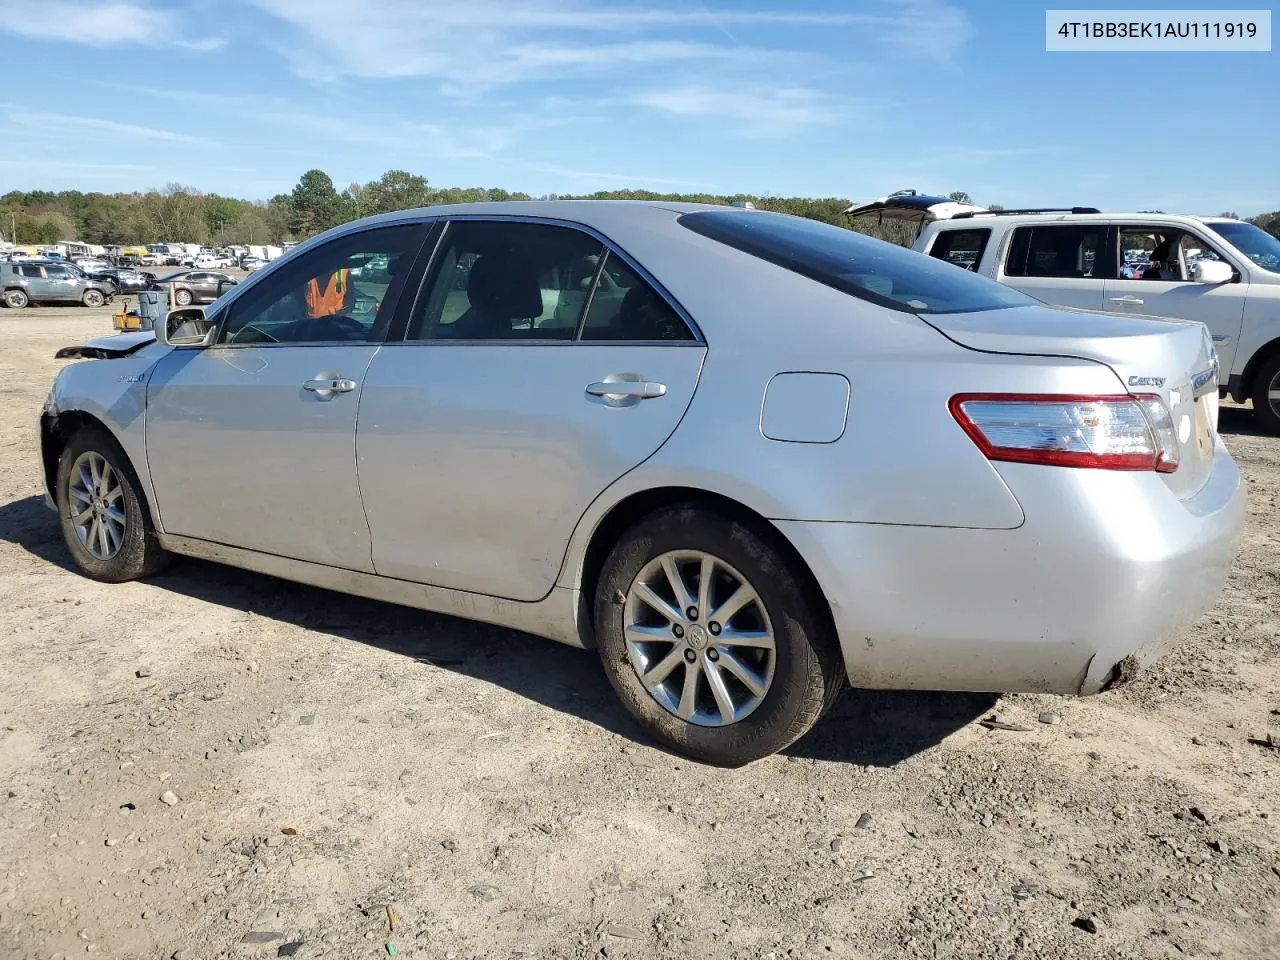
(394, 190)
(959, 196)
(316, 206)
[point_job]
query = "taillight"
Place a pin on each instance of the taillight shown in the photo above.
(1110, 433)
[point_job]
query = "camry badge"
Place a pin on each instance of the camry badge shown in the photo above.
(1146, 381)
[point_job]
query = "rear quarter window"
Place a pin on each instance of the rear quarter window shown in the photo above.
(854, 263)
(963, 248)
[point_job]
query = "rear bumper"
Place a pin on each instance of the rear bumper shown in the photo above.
(1109, 567)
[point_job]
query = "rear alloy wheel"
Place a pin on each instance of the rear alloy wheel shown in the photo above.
(93, 298)
(104, 520)
(710, 641)
(15, 299)
(183, 298)
(1266, 396)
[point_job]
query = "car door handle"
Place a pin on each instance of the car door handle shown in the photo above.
(1126, 299)
(620, 389)
(330, 385)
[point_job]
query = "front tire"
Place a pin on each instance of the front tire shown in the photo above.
(1266, 395)
(93, 298)
(710, 642)
(183, 298)
(104, 520)
(15, 299)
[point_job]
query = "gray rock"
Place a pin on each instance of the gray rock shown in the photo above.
(485, 891)
(288, 949)
(624, 931)
(1051, 718)
(262, 936)
(837, 845)
(87, 934)
(306, 720)
(182, 955)
(1025, 891)
(864, 822)
(142, 672)
(169, 798)
(450, 845)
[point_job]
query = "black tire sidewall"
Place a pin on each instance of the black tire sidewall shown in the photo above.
(139, 553)
(806, 663)
(1262, 409)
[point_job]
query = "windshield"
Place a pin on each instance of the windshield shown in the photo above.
(855, 263)
(1254, 242)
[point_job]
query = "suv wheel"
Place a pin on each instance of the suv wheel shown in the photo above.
(183, 298)
(710, 641)
(15, 299)
(104, 520)
(1266, 395)
(93, 298)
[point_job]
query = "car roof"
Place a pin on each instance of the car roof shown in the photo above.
(997, 217)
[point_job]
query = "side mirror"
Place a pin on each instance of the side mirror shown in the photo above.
(186, 327)
(1211, 271)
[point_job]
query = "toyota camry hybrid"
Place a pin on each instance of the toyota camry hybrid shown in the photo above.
(749, 457)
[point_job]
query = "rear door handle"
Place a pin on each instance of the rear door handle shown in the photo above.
(627, 389)
(330, 385)
(1126, 299)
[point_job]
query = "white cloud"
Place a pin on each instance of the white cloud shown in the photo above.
(100, 23)
(89, 126)
(479, 44)
(765, 106)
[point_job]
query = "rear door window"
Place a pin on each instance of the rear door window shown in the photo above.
(1057, 250)
(964, 248)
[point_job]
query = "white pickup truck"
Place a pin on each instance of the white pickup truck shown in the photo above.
(1222, 272)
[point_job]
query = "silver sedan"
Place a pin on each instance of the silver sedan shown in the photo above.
(751, 458)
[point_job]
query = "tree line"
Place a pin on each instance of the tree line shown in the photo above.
(183, 213)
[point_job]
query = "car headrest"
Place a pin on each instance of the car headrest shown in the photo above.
(505, 286)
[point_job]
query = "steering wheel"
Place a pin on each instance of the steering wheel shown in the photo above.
(343, 324)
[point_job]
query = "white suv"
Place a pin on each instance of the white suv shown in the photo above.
(1224, 273)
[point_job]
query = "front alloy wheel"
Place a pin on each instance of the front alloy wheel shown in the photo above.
(699, 638)
(97, 505)
(1266, 396)
(15, 299)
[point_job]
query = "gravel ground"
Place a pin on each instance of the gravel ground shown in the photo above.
(218, 764)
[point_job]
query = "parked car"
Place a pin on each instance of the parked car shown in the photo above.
(252, 264)
(126, 280)
(213, 262)
(787, 456)
(48, 281)
(153, 259)
(128, 260)
(1221, 272)
(198, 286)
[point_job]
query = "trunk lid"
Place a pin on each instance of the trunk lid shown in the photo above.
(907, 206)
(1174, 359)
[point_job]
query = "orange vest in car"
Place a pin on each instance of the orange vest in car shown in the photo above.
(335, 297)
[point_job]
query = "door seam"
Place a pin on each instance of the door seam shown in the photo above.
(355, 452)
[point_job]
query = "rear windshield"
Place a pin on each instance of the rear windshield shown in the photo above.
(854, 263)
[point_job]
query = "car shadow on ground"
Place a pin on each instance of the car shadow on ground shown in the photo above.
(868, 727)
(1239, 422)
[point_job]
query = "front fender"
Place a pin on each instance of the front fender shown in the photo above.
(112, 392)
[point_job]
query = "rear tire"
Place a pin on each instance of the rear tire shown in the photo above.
(747, 700)
(183, 298)
(93, 298)
(104, 520)
(1266, 395)
(16, 299)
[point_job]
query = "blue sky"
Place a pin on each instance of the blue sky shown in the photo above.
(848, 98)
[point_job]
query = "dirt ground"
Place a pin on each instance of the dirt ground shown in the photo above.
(349, 779)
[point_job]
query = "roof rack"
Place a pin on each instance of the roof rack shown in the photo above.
(1004, 213)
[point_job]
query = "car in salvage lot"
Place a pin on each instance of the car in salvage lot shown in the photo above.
(49, 281)
(783, 457)
(197, 286)
(1219, 271)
